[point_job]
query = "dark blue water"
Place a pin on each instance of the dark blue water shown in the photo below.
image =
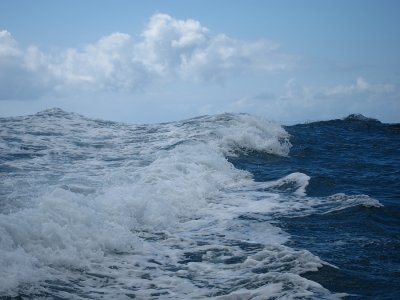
(352, 156)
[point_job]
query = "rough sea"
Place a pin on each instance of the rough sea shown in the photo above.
(228, 206)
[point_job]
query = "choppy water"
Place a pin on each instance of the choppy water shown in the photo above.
(226, 206)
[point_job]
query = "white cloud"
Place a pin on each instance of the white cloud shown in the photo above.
(8, 46)
(168, 49)
(167, 42)
(19, 76)
(187, 49)
(222, 56)
(105, 65)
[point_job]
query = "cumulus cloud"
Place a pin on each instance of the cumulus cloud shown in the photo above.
(105, 65)
(21, 75)
(8, 46)
(168, 42)
(168, 48)
(187, 49)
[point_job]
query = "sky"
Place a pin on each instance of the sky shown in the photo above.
(158, 61)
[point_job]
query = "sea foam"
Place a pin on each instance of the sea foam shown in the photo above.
(155, 211)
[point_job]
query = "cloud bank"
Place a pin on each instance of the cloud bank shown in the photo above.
(298, 103)
(168, 49)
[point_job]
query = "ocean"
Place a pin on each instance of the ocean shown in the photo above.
(229, 206)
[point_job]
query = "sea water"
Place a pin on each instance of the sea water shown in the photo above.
(228, 206)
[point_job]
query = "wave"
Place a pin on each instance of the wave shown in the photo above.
(355, 118)
(360, 118)
(150, 210)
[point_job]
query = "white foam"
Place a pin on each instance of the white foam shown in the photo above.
(253, 133)
(154, 211)
(294, 183)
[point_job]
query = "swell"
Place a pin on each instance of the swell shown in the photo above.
(85, 190)
(100, 204)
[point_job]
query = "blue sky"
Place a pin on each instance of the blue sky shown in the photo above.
(156, 61)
